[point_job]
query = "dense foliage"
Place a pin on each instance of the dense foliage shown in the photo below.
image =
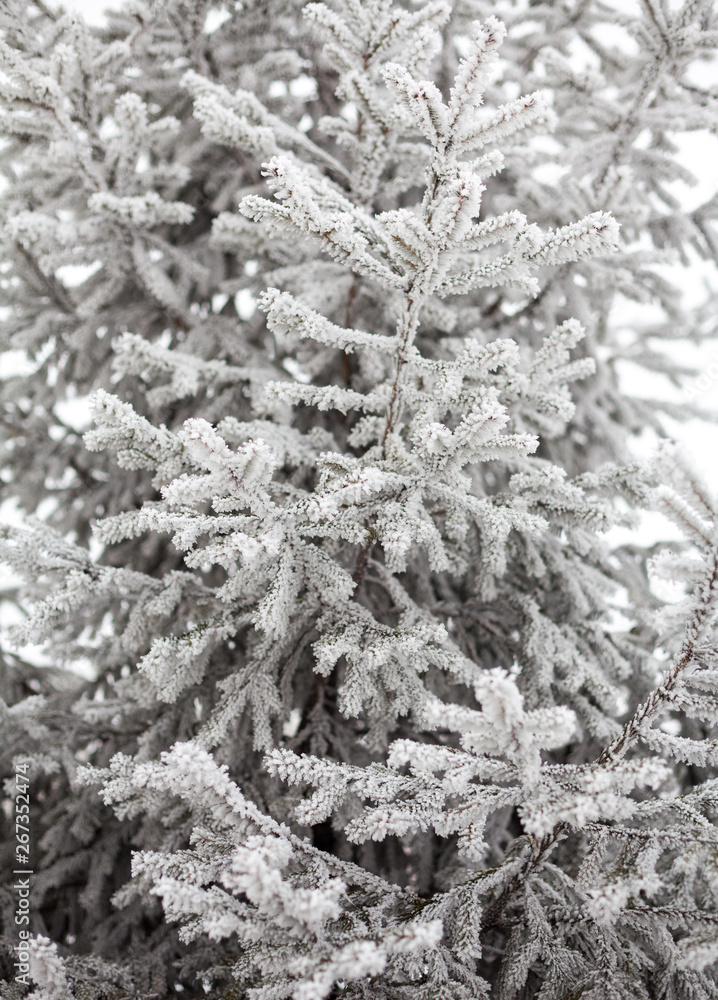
(313, 322)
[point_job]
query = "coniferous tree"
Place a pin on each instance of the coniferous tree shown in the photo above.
(376, 709)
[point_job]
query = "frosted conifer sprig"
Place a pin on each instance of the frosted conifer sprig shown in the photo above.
(188, 374)
(452, 804)
(286, 315)
(248, 855)
(138, 444)
(48, 970)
